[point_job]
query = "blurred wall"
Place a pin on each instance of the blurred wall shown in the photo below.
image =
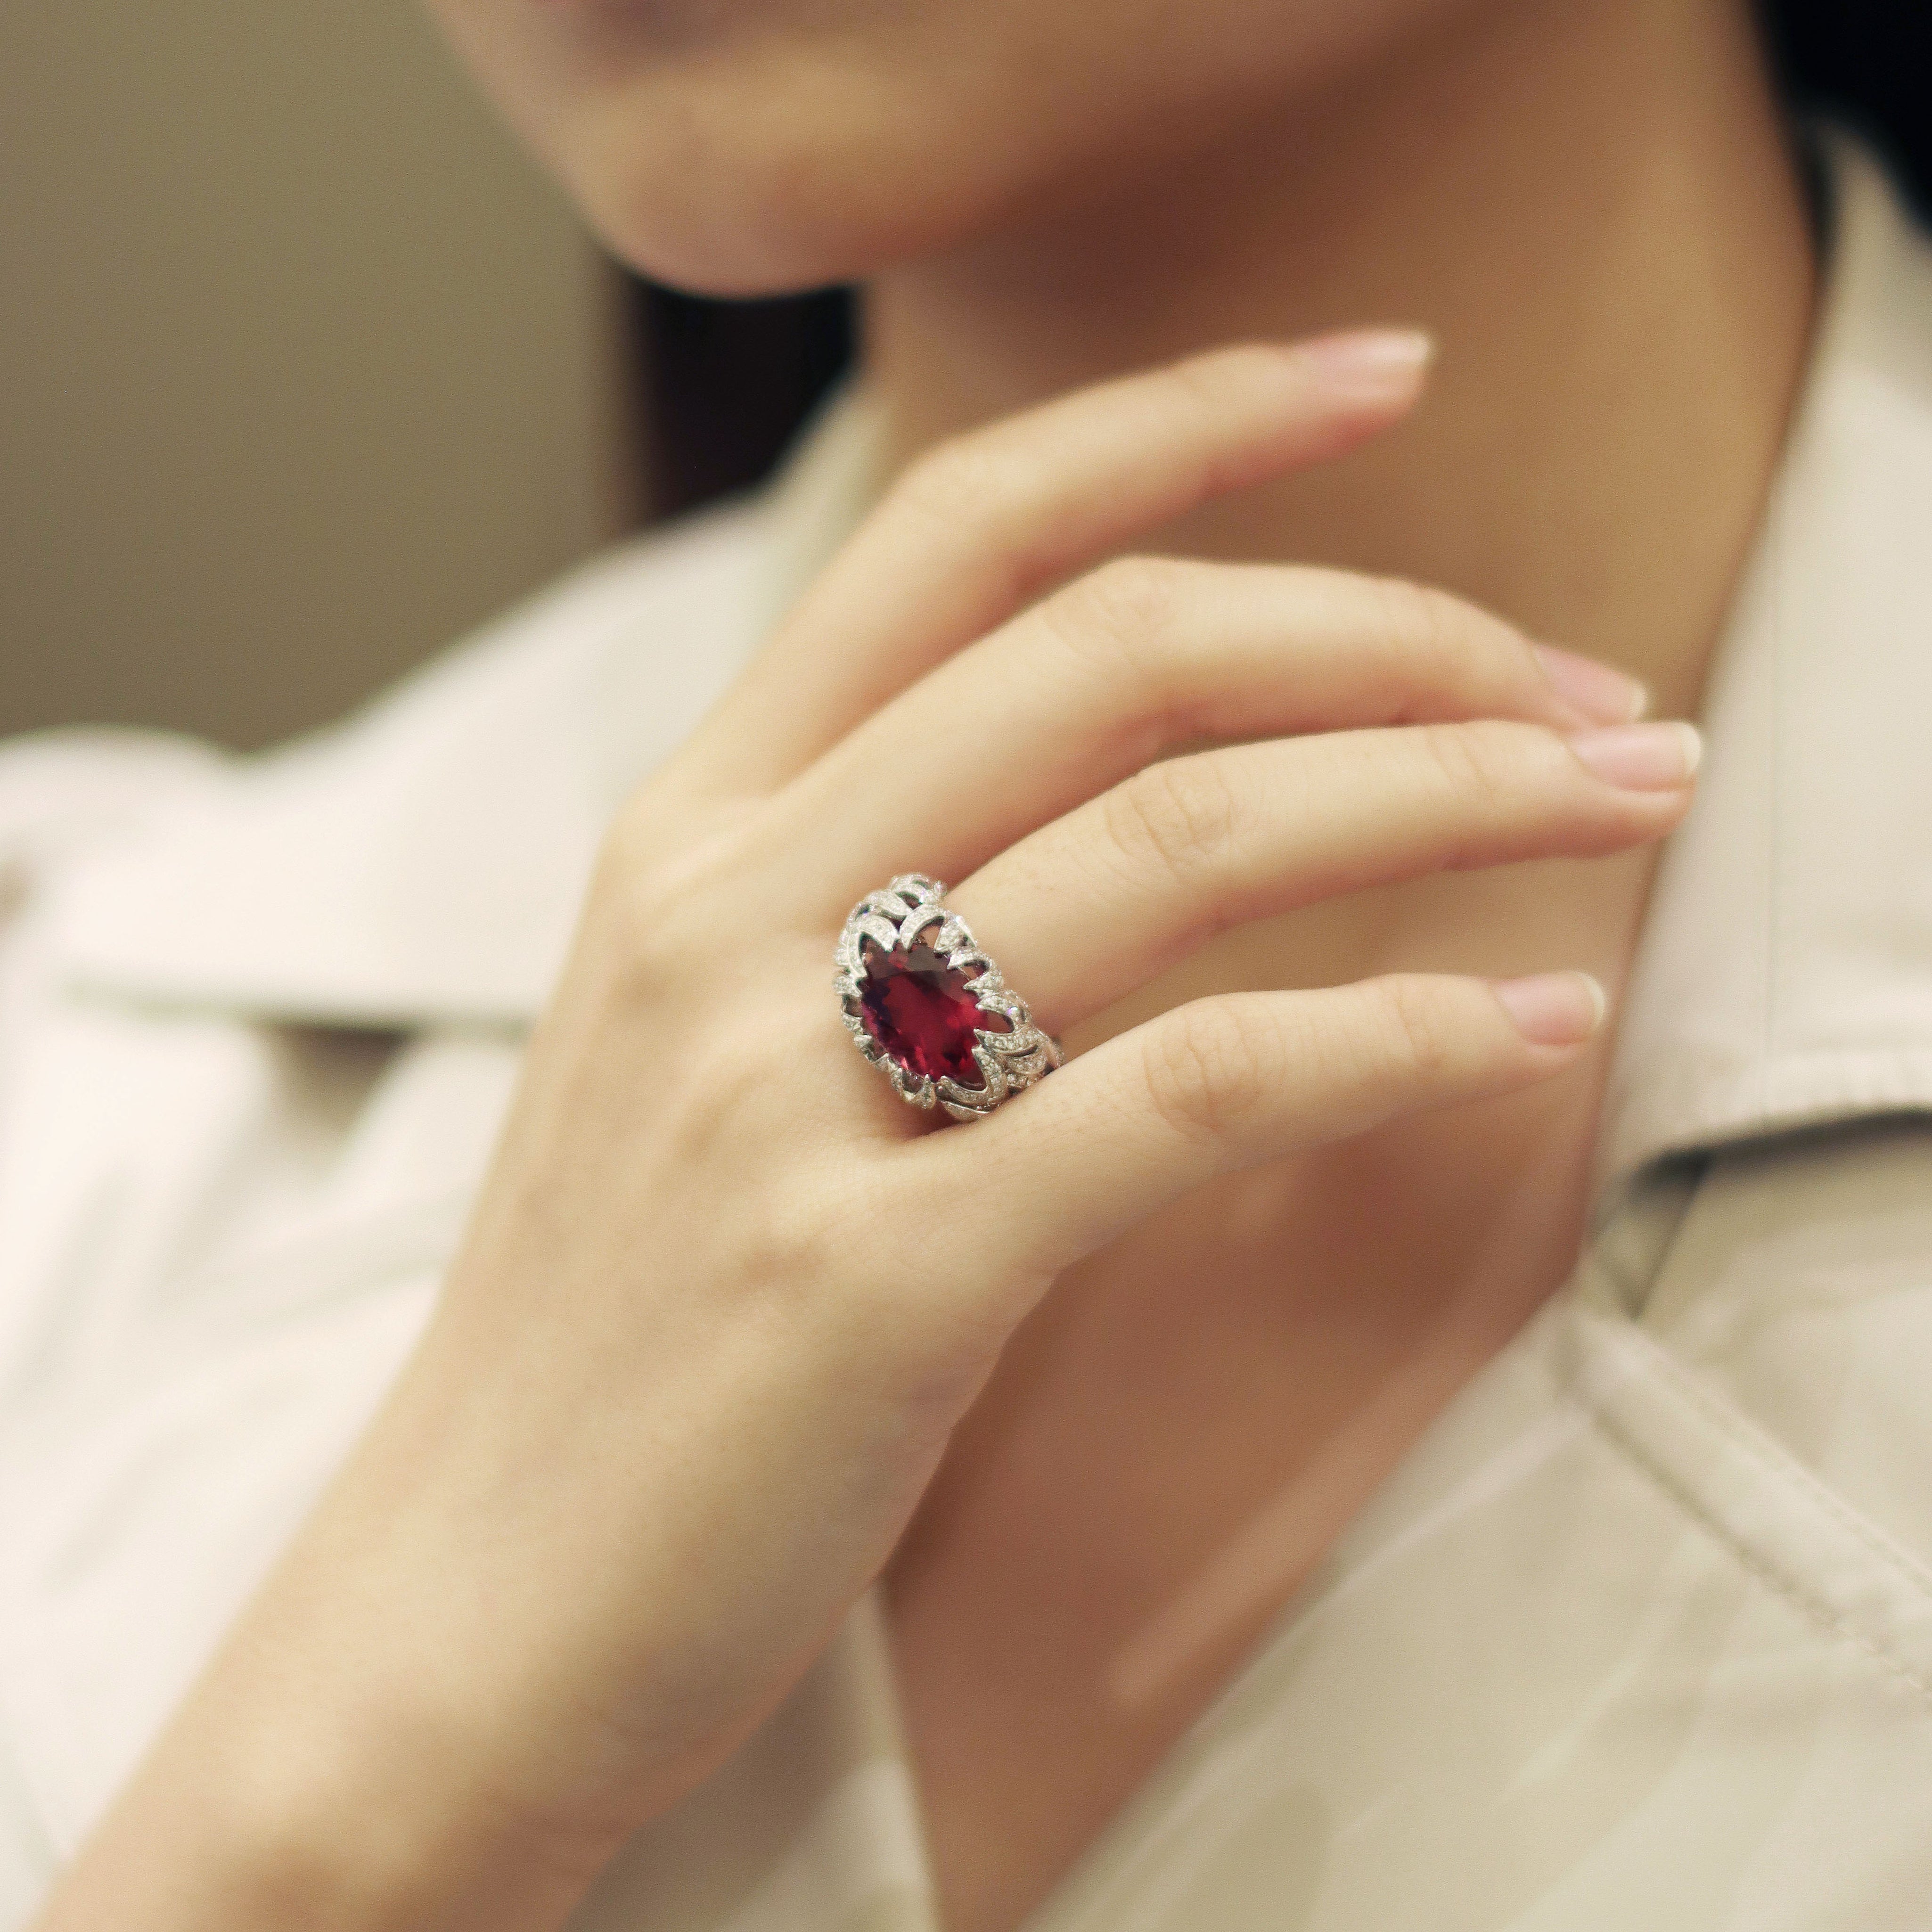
(303, 369)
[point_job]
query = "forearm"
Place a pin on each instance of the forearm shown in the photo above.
(348, 1758)
(165, 1862)
(272, 1800)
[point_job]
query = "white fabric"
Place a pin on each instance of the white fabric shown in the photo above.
(1787, 968)
(1640, 1634)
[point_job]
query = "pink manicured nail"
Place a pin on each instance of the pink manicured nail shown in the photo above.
(1553, 1009)
(1641, 757)
(1602, 693)
(1370, 363)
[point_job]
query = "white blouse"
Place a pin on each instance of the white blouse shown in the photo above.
(1639, 1635)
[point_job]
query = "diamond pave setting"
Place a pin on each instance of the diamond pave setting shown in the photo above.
(925, 1005)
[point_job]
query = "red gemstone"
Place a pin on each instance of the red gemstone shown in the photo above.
(918, 1009)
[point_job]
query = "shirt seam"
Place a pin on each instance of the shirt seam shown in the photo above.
(1776, 840)
(1759, 1568)
(1778, 1468)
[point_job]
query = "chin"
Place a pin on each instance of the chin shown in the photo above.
(728, 198)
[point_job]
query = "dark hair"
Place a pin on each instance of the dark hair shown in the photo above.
(727, 383)
(1866, 63)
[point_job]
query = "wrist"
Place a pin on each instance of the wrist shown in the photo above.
(262, 1821)
(336, 1767)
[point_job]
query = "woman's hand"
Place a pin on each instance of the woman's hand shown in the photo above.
(723, 1297)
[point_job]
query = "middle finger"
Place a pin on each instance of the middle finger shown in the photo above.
(1139, 657)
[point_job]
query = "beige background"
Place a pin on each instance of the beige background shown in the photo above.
(303, 369)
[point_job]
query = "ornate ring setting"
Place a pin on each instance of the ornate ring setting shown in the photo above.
(925, 1006)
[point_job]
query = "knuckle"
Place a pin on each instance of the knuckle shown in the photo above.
(634, 842)
(1205, 378)
(1432, 629)
(955, 482)
(1198, 390)
(1438, 647)
(1202, 388)
(1451, 646)
(725, 1072)
(711, 1108)
(1206, 1067)
(788, 1245)
(1480, 762)
(1129, 602)
(1120, 627)
(1518, 668)
(653, 898)
(630, 906)
(1179, 814)
(1413, 1020)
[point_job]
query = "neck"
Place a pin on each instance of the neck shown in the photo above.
(1588, 201)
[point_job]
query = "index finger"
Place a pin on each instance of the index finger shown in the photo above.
(980, 525)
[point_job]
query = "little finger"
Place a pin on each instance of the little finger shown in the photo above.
(1229, 1082)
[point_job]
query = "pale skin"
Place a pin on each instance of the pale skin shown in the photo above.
(1263, 847)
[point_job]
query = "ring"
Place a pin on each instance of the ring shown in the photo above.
(929, 1009)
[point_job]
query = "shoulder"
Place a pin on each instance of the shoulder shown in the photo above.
(61, 791)
(423, 859)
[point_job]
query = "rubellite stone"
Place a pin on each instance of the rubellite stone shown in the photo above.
(917, 1008)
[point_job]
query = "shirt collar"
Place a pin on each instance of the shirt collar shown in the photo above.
(422, 864)
(1784, 975)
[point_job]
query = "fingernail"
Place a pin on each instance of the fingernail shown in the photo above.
(1553, 1009)
(1370, 363)
(1601, 692)
(1641, 757)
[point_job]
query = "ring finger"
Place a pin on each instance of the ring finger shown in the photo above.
(1100, 901)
